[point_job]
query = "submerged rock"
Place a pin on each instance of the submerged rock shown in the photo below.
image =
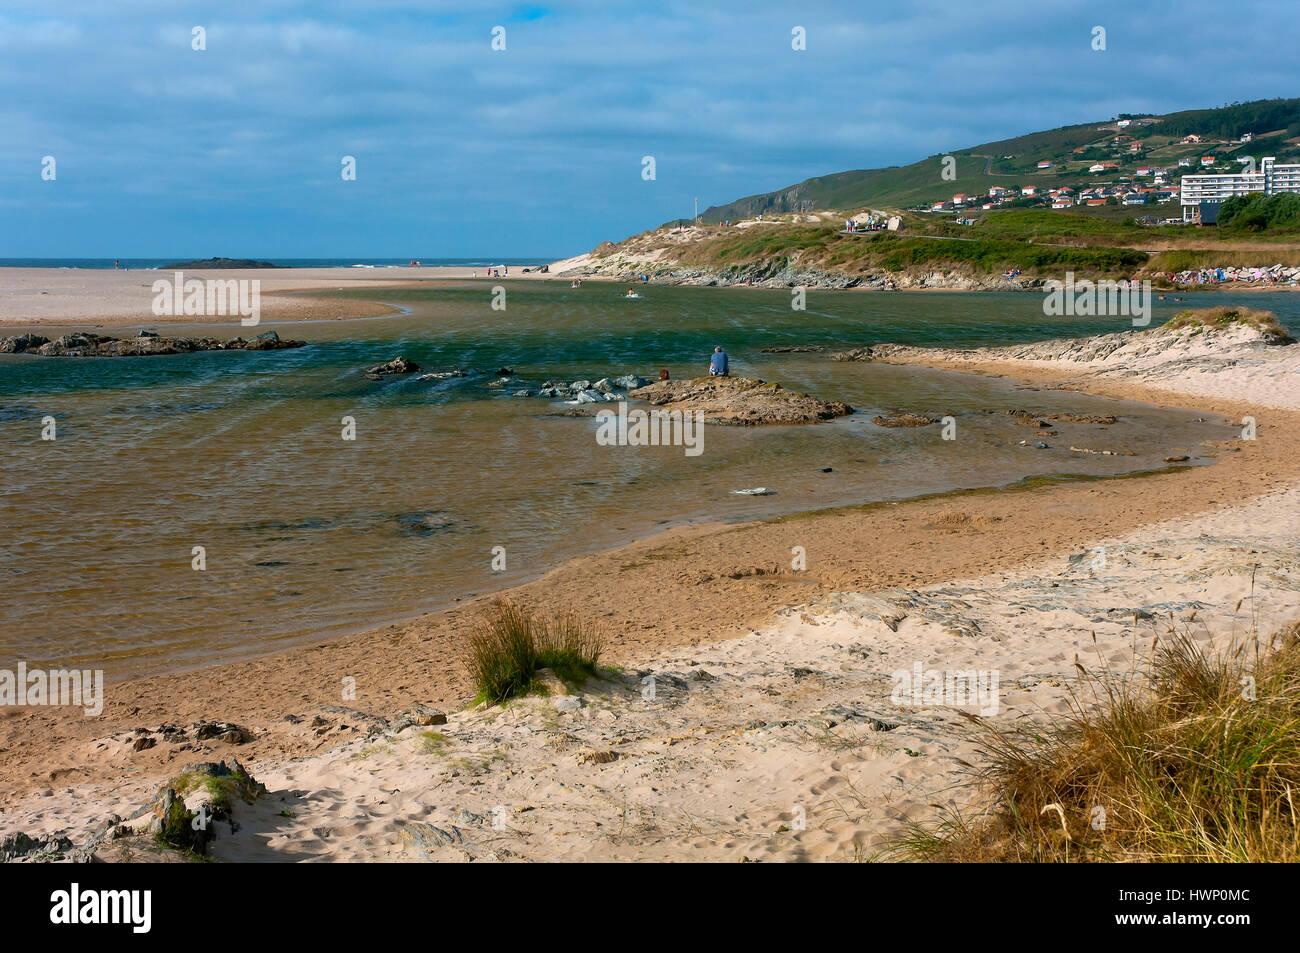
(902, 420)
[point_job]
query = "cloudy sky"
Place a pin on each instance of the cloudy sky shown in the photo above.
(462, 150)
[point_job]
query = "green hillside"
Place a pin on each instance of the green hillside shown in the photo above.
(1275, 123)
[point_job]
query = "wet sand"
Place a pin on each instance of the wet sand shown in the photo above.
(687, 587)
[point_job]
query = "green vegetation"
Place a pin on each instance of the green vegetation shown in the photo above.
(510, 645)
(1190, 259)
(1259, 212)
(825, 248)
(1198, 759)
(222, 790)
(1044, 225)
(1234, 121)
(1013, 162)
(433, 742)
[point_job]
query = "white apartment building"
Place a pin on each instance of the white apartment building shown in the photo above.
(1215, 188)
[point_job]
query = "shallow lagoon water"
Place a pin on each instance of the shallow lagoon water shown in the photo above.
(307, 535)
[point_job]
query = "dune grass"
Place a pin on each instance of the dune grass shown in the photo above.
(1221, 317)
(510, 645)
(1195, 760)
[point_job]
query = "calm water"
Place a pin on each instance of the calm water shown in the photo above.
(308, 535)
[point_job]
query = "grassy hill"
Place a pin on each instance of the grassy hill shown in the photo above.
(1275, 123)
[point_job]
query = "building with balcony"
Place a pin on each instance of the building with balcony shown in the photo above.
(1201, 195)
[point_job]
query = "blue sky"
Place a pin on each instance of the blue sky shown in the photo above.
(536, 150)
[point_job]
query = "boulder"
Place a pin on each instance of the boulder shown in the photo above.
(21, 343)
(398, 365)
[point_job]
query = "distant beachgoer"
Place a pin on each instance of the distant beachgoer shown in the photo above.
(718, 363)
(663, 374)
(116, 264)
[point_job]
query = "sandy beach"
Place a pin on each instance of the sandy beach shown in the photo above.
(71, 297)
(772, 688)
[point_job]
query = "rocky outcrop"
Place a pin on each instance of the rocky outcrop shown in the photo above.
(181, 819)
(221, 263)
(398, 365)
(740, 401)
(583, 391)
(781, 274)
(146, 343)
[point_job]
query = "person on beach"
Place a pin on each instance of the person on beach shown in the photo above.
(718, 363)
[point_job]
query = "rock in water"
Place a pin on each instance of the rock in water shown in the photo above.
(901, 420)
(740, 401)
(398, 365)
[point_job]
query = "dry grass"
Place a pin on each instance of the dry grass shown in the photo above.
(1195, 760)
(510, 645)
(1265, 321)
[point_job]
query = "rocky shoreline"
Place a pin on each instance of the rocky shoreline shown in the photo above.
(769, 274)
(1132, 347)
(144, 344)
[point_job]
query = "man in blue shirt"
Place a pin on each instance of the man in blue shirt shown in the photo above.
(718, 364)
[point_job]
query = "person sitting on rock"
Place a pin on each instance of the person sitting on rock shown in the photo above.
(718, 363)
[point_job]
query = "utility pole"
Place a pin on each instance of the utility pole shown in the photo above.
(696, 219)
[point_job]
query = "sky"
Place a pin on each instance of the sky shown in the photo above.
(537, 149)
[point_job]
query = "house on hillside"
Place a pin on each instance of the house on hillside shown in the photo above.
(1207, 160)
(1045, 164)
(1190, 140)
(1028, 190)
(1062, 202)
(1184, 162)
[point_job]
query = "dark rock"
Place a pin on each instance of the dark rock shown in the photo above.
(424, 523)
(220, 263)
(22, 343)
(901, 420)
(149, 343)
(398, 365)
(224, 731)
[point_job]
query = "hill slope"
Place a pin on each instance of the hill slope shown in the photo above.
(1275, 124)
